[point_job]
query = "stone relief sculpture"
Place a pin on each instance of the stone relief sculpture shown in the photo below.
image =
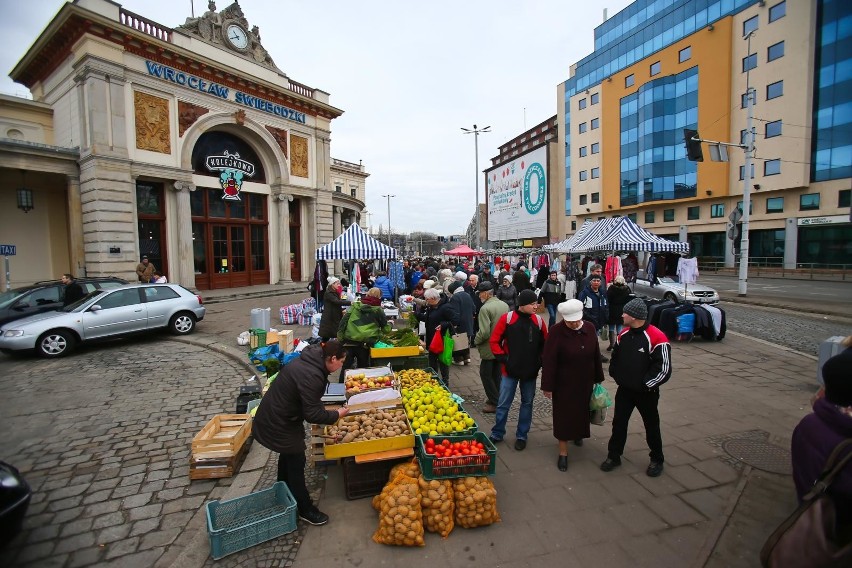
(299, 161)
(188, 113)
(152, 123)
(280, 136)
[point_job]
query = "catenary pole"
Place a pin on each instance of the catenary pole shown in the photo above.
(742, 288)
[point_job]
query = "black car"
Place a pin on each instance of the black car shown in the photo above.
(46, 296)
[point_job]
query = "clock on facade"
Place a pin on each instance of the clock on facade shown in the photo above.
(237, 37)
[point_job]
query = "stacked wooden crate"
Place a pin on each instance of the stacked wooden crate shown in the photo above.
(219, 448)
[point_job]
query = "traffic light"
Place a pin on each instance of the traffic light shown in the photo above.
(693, 147)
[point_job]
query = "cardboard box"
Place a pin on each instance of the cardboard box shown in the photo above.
(285, 341)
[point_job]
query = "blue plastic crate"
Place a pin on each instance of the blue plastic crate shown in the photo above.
(243, 522)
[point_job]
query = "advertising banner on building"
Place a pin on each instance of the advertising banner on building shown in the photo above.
(516, 196)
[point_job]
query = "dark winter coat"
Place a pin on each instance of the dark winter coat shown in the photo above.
(617, 296)
(73, 292)
(551, 292)
(332, 312)
(508, 294)
(294, 397)
(813, 440)
(571, 365)
(521, 281)
(442, 314)
(463, 305)
(595, 307)
(518, 342)
(641, 358)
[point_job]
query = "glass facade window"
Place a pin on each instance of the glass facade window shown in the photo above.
(596, 197)
(684, 54)
(584, 175)
(717, 210)
(653, 157)
(630, 80)
(843, 197)
(582, 103)
(596, 148)
(750, 25)
(573, 225)
(649, 216)
(595, 98)
(655, 69)
(668, 215)
(584, 199)
(744, 100)
(773, 129)
(774, 204)
(338, 188)
(774, 90)
(767, 245)
(809, 201)
(771, 167)
(583, 127)
(596, 173)
(777, 11)
(584, 150)
(596, 123)
(742, 172)
(826, 245)
(693, 213)
(775, 51)
(831, 150)
(632, 216)
(750, 206)
(749, 62)
(743, 133)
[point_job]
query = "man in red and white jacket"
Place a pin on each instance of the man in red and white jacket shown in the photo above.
(641, 362)
(517, 343)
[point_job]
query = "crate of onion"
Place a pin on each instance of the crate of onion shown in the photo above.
(449, 457)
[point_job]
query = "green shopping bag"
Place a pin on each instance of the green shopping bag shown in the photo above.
(600, 398)
(446, 356)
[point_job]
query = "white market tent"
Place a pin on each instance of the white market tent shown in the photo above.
(618, 234)
(567, 244)
(355, 244)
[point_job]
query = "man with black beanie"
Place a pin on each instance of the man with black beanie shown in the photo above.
(641, 362)
(517, 343)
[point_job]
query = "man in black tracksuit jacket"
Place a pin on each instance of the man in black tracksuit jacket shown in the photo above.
(641, 362)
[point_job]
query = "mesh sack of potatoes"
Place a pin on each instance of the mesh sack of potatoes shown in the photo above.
(436, 501)
(409, 468)
(400, 516)
(475, 502)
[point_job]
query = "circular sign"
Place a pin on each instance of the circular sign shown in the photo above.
(531, 206)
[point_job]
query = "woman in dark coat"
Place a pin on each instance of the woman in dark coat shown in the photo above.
(571, 365)
(438, 313)
(294, 397)
(332, 311)
(616, 295)
(464, 306)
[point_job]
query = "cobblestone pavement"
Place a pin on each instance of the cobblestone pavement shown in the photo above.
(798, 331)
(103, 437)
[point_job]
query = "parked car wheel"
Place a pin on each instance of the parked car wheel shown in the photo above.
(182, 323)
(55, 343)
(671, 297)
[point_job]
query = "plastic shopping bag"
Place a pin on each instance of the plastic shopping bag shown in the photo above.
(436, 346)
(446, 357)
(600, 398)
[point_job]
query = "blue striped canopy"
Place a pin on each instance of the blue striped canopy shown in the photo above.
(354, 244)
(568, 244)
(620, 233)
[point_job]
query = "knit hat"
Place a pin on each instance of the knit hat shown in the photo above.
(527, 297)
(332, 279)
(572, 310)
(429, 283)
(453, 287)
(507, 277)
(837, 375)
(485, 287)
(461, 276)
(637, 309)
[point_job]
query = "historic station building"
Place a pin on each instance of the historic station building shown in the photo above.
(187, 144)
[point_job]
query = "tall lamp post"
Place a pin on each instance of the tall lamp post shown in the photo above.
(389, 224)
(475, 131)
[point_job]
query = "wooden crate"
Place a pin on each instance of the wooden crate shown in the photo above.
(223, 437)
(216, 468)
(316, 446)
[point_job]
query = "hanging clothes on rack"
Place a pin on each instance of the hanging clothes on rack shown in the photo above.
(319, 283)
(651, 270)
(612, 268)
(396, 276)
(630, 265)
(687, 270)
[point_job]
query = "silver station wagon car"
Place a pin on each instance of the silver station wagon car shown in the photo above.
(668, 289)
(105, 313)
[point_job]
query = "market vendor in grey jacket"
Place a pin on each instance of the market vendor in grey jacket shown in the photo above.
(293, 398)
(489, 368)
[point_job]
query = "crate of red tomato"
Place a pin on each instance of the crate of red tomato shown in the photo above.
(448, 457)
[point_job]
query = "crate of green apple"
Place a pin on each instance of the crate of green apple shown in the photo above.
(363, 380)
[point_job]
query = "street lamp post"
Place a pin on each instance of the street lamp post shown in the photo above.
(475, 131)
(389, 222)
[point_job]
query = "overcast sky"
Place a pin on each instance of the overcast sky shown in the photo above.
(408, 75)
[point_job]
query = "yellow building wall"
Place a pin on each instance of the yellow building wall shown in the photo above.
(711, 52)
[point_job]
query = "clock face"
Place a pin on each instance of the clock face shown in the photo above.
(237, 36)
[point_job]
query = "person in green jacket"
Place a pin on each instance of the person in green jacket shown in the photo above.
(360, 328)
(489, 368)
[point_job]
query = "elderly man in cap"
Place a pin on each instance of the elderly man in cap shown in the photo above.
(145, 270)
(489, 368)
(641, 363)
(517, 343)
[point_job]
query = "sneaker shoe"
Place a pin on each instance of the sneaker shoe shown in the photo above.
(655, 469)
(495, 440)
(520, 445)
(467, 361)
(315, 517)
(489, 408)
(578, 442)
(610, 464)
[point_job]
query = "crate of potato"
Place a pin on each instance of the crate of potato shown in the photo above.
(364, 380)
(375, 430)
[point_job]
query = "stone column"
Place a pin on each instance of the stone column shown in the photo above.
(791, 242)
(76, 250)
(284, 272)
(337, 221)
(185, 263)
